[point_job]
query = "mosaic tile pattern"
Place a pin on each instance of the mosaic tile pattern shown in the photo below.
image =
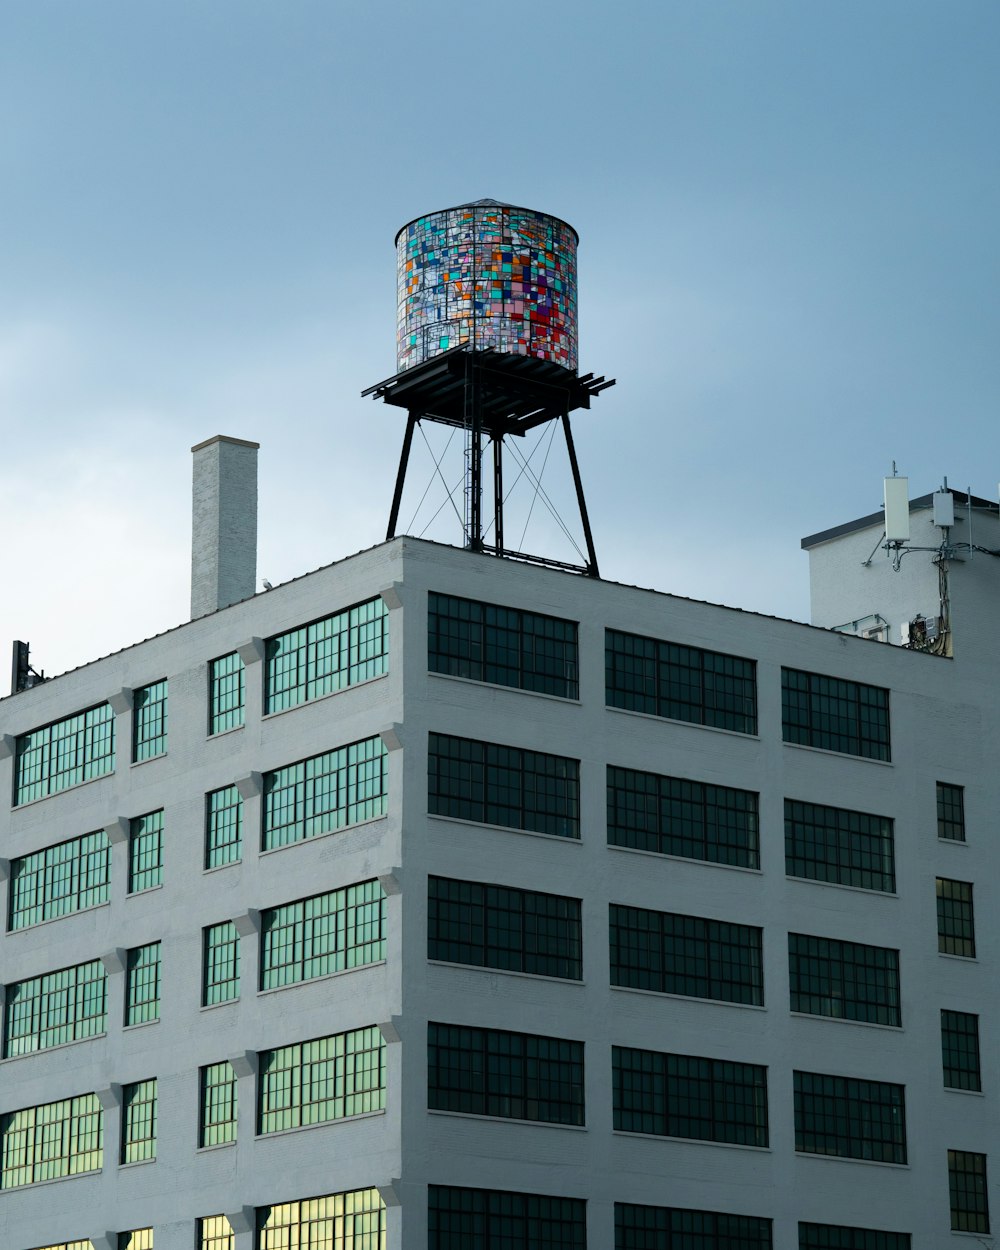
(487, 274)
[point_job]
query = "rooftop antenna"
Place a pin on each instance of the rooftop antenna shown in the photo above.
(487, 343)
(22, 675)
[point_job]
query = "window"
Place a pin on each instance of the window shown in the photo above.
(325, 793)
(673, 954)
(514, 1075)
(837, 1115)
(956, 935)
(489, 1219)
(837, 1237)
(142, 984)
(502, 645)
(317, 659)
(216, 1233)
(689, 1096)
(138, 1239)
(960, 1050)
(501, 785)
(220, 964)
(217, 1104)
(688, 818)
(845, 980)
(323, 934)
(496, 926)
(970, 1212)
(351, 1221)
(86, 1244)
(674, 1228)
(840, 846)
(223, 827)
(139, 1122)
(60, 879)
(682, 683)
(848, 716)
(59, 1007)
(326, 1079)
(44, 1143)
(149, 721)
(950, 812)
(226, 693)
(145, 855)
(64, 754)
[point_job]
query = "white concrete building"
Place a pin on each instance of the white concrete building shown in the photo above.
(433, 900)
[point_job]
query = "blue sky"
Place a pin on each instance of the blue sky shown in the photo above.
(788, 216)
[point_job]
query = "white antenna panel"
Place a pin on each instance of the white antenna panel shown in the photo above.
(897, 509)
(944, 508)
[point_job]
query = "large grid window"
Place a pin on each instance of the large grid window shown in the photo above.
(64, 754)
(950, 812)
(960, 1050)
(676, 1228)
(838, 1115)
(845, 980)
(970, 1210)
(840, 846)
(327, 933)
(848, 716)
(840, 1237)
(216, 1104)
(138, 1239)
(60, 880)
(59, 1007)
(149, 721)
(226, 693)
(317, 659)
(223, 827)
(689, 1096)
(673, 816)
(325, 793)
(216, 1233)
(956, 930)
(351, 1221)
(506, 646)
(682, 683)
(86, 1244)
(329, 1078)
(496, 926)
(142, 984)
(674, 954)
(515, 1075)
(220, 964)
(490, 1219)
(139, 1122)
(501, 785)
(145, 852)
(44, 1143)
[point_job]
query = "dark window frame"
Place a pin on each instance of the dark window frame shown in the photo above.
(839, 846)
(849, 1118)
(852, 980)
(834, 714)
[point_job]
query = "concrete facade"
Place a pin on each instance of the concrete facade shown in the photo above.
(945, 726)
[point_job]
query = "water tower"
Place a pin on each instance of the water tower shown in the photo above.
(487, 342)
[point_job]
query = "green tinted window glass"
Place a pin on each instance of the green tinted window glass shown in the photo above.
(51, 1010)
(142, 984)
(325, 793)
(216, 1233)
(145, 862)
(835, 715)
(960, 1050)
(226, 693)
(837, 1115)
(325, 1079)
(223, 827)
(673, 1228)
(221, 970)
(970, 1210)
(149, 721)
(845, 980)
(217, 1103)
(327, 933)
(341, 650)
(955, 922)
(351, 1221)
(64, 754)
(138, 1122)
(45, 1143)
(488, 1219)
(950, 812)
(60, 880)
(840, 846)
(840, 1237)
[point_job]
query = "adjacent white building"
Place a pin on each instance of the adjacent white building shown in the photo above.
(435, 900)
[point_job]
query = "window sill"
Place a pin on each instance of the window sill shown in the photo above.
(42, 798)
(690, 724)
(150, 759)
(332, 694)
(956, 842)
(219, 867)
(965, 959)
(495, 685)
(27, 928)
(837, 885)
(326, 976)
(865, 1024)
(136, 1163)
(973, 1093)
(307, 1128)
(839, 755)
(531, 833)
(221, 1145)
(505, 972)
(868, 1163)
(226, 1002)
(688, 998)
(221, 733)
(505, 1119)
(149, 889)
(316, 837)
(53, 1180)
(142, 1024)
(45, 1050)
(690, 1141)
(684, 859)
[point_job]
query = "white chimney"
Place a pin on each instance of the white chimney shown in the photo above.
(223, 523)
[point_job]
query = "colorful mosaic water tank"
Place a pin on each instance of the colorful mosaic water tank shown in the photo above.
(488, 274)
